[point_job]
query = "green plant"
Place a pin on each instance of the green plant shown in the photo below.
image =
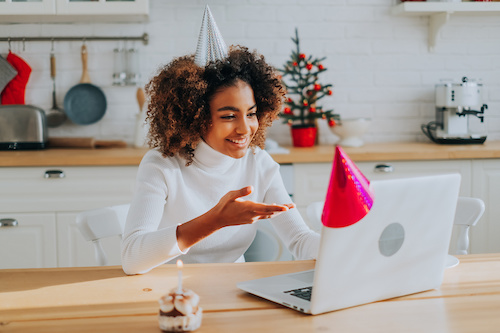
(300, 77)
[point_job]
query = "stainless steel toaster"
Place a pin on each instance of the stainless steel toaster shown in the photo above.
(22, 127)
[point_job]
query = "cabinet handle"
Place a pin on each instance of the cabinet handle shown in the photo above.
(8, 223)
(383, 168)
(54, 174)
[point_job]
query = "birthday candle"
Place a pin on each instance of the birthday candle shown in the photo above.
(179, 275)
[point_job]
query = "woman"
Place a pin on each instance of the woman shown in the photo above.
(201, 190)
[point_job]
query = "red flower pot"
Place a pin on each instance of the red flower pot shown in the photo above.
(304, 136)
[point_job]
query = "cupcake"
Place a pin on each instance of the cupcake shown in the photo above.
(180, 312)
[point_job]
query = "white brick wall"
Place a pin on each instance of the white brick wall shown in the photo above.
(379, 63)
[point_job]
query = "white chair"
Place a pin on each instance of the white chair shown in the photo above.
(102, 223)
(267, 245)
(467, 214)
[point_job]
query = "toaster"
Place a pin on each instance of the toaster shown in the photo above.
(22, 127)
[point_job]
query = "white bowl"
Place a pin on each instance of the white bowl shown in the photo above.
(351, 131)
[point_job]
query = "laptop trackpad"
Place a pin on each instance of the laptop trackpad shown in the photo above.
(306, 276)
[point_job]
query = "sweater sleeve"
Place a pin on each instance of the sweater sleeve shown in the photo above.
(144, 246)
(300, 240)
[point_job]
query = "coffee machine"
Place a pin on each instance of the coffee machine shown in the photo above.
(459, 114)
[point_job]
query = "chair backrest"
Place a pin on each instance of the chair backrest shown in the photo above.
(267, 246)
(101, 223)
(468, 212)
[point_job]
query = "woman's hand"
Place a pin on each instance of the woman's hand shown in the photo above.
(233, 210)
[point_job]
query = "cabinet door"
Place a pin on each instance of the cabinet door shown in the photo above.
(485, 235)
(29, 244)
(102, 7)
(75, 251)
(33, 7)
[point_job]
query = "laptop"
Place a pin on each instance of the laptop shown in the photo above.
(398, 248)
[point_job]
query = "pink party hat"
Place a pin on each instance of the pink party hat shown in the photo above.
(210, 46)
(348, 198)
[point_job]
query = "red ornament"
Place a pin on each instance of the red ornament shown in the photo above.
(309, 66)
(287, 111)
(305, 103)
(329, 92)
(317, 87)
(289, 100)
(331, 123)
(312, 109)
(302, 56)
(295, 64)
(321, 67)
(309, 93)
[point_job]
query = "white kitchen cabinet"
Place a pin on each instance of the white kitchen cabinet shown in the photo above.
(45, 201)
(12, 11)
(30, 242)
(39, 7)
(485, 236)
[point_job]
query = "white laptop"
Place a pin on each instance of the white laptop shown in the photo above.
(398, 248)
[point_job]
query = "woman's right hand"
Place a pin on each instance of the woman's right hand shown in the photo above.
(232, 209)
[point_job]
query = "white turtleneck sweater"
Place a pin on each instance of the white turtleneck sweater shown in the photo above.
(169, 193)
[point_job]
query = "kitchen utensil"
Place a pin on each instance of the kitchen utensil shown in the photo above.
(140, 121)
(56, 115)
(84, 142)
(85, 103)
(132, 67)
(120, 67)
(22, 127)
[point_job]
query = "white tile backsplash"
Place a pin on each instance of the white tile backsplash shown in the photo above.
(379, 63)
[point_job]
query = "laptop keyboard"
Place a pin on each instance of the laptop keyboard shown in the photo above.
(304, 293)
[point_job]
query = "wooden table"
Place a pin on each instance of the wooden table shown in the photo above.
(103, 299)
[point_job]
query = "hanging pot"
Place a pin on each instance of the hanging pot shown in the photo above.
(304, 135)
(85, 103)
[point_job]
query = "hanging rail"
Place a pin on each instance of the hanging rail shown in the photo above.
(144, 38)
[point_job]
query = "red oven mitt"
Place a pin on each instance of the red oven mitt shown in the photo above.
(15, 90)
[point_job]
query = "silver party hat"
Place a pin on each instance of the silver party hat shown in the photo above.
(211, 46)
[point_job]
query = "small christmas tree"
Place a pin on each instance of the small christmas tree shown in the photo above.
(300, 77)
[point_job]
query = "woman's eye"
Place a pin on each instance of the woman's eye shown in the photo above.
(229, 116)
(252, 115)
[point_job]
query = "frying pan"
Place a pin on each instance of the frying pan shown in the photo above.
(85, 103)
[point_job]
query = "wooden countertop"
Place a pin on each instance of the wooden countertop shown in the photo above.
(391, 151)
(103, 299)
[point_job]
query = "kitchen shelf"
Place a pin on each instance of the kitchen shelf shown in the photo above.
(439, 13)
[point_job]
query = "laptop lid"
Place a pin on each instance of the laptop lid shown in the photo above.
(398, 248)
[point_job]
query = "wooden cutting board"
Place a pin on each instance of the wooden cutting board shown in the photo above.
(84, 142)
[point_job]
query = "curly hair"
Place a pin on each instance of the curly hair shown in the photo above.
(178, 107)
